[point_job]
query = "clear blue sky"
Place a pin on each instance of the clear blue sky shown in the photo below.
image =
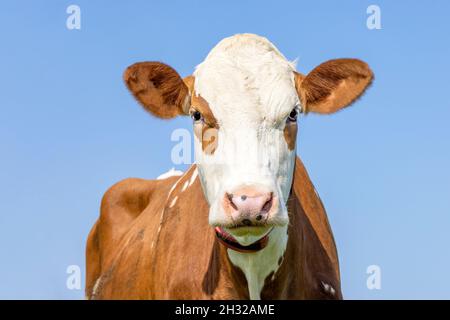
(69, 129)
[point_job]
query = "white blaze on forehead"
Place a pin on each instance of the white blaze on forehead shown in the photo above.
(246, 79)
(249, 86)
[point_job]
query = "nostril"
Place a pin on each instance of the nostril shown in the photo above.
(246, 222)
(249, 203)
(259, 217)
(230, 201)
(266, 207)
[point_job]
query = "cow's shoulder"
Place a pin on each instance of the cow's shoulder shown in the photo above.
(126, 199)
(121, 206)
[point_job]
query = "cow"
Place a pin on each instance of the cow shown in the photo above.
(244, 221)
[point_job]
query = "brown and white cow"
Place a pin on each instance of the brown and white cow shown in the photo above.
(245, 221)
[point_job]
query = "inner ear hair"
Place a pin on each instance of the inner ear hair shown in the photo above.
(333, 85)
(158, 88)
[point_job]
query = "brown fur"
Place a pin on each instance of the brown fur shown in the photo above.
(210, 139)
(141, 248)
(200, 104)
(158, 88)
(189, 81)
(208, 136)
(206, 132)
(290, 134)
(333, 85)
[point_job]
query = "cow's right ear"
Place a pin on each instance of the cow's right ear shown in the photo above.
(159, 88)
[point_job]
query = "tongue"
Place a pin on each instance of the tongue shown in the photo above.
(225, 235)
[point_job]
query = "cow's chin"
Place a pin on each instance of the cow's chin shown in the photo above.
(249, 235)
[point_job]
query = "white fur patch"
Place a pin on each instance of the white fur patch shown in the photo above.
(328, 288)
(194, 176)
(161, 218)
(171, 173)
(95, 287)
(173, 201)
(258, 265)
(185, 185)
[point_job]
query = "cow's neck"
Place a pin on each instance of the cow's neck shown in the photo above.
(259, 265)
(309, 260)
(264, 274)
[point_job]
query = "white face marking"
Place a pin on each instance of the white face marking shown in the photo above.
(249, 87)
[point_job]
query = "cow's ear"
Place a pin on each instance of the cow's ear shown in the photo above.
(159, 88)
(333, 85)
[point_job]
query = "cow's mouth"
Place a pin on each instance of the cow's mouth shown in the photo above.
(230, 242)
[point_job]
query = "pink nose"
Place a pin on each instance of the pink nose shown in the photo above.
(248, 206)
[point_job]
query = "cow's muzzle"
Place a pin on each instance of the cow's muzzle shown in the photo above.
(250, 206)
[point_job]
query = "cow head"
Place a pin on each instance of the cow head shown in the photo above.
(246, 100)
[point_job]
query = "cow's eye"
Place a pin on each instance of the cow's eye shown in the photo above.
(293, 115)
(196, 115)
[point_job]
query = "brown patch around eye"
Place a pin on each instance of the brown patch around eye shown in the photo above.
(207, 131)
(290, 134)
(200, 104)
(208, 136)
(209, 139)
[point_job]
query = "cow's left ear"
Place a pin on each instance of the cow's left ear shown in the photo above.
(333, 85)
(159, 88)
